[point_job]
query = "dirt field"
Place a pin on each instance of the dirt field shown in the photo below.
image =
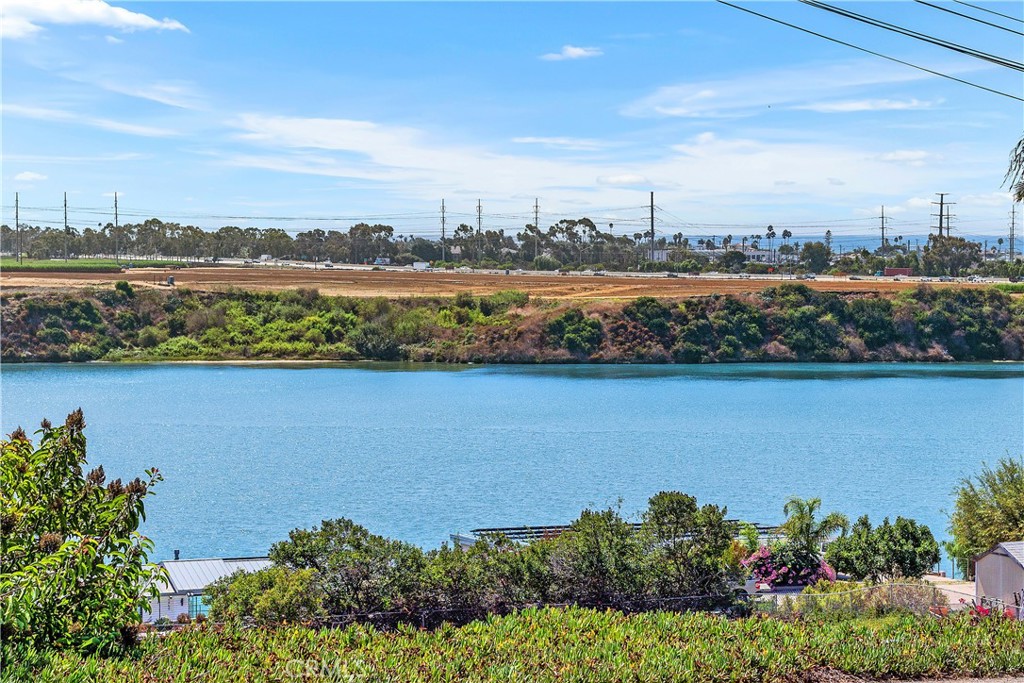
(393, 283)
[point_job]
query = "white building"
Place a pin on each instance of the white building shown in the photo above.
(187, 580)
(999, 577)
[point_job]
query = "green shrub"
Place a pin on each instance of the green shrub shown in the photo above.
(151, 336)
(75, 570)
(576, 332)
(374, 340)
(179, 347)
(274, 595)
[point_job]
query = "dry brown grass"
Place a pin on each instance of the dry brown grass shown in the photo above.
(394, 284)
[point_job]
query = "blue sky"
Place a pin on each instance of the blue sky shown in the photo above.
(288, 114)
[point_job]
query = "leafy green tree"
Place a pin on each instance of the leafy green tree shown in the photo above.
(685, 545)
(904, 549)
(357, 571)
(270, 596)
(804, 530)
(989, 509)
(950, 255)
(597, 561)
(815, 256)
(75, 570)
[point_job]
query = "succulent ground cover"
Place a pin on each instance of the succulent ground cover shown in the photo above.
(572, 644)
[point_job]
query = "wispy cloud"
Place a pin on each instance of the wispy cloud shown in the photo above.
(575, 144)
(848, 106)
(623, 179)
(26, 18)
(801, 87)
(174, 94)
(572, 52)
(113, 40)
(29, 177)
(58, 115)
(910, 157)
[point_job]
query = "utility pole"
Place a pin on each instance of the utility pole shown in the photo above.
(1013, 228)
(479, 232)
(882, 252)
(442, 229)
(652, 226)
(65, 227)
(942, 212)
(116, 246)
(536, 227)
(17, 230)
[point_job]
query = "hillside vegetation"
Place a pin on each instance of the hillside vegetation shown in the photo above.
(786, 323)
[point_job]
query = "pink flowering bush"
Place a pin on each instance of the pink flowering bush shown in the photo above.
(783, 565)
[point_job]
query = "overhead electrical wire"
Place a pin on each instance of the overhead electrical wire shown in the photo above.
(872, 52)
(968, 16)
(990, 11)
(917, 35)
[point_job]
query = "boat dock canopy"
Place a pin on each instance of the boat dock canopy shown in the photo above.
(525, 534)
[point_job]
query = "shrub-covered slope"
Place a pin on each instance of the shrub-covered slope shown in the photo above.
(786, 323)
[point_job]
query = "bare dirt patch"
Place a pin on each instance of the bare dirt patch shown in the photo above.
(392, 284)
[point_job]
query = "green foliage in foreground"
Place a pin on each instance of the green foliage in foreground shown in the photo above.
(75, 569)
(566, 645)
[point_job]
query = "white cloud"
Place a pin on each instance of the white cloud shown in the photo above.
(785, 183)
(706, 170)
(848, 106)
(836, 181)
(793, 87)
(623, 179)
(25, 18)
(29, 176)
(910, 157)
(572, 52)
(576, 144)
(113, 40)
(173, 94)
(57, 115)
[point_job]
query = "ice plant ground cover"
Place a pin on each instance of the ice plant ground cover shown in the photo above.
(561, 644)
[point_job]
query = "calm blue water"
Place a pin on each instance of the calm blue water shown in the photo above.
(418, 452)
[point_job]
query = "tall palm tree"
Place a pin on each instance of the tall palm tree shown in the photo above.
(804, 530)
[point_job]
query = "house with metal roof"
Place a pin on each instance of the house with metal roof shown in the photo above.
(187, 580)
(999, 577)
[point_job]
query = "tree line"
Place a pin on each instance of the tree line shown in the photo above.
(568, 244)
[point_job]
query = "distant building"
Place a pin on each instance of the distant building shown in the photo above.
(187, 581)
(999, 577)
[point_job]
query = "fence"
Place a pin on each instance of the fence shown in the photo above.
(884, 598)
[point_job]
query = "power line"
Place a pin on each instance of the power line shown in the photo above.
(917, 35)
(990, 11)
(968, 16)
(872, 52)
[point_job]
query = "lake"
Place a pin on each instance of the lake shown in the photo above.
(417, 452)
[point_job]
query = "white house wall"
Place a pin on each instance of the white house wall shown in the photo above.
(999, 577)
(169, 606)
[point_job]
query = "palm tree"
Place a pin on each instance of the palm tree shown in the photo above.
(806, 532)
(1015, 173)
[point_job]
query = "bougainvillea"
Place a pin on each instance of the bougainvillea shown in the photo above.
(783, 565)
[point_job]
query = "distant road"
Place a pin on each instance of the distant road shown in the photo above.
(400, 282)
